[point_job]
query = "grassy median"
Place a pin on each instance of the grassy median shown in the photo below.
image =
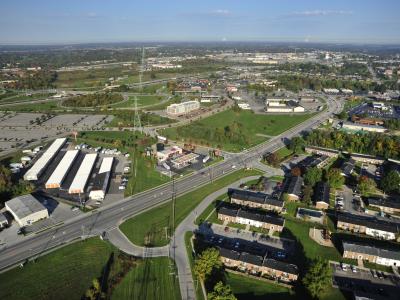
(153, 228)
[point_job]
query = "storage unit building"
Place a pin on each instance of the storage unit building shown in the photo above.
(82, 175)
(102, 179)
(26, 210)
(61, 170)
(39, 166)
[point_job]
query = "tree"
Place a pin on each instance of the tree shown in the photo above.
(307, 194)
(296, 171)
(272, 159)
(221, 292)
(312, 176)
(335, 178)
(296, 144)
(366, 185)
(5, 179)
(318, 278)
(391, 182)
(208, 262)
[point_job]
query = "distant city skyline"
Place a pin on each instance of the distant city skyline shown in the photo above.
(73, 21)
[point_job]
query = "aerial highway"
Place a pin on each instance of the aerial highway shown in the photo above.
(109, 217)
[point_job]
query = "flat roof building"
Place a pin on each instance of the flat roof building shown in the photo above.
(37, 169)
(61, 170)
(82, 175)
(26, 210)
(102, 179)
(177, 109)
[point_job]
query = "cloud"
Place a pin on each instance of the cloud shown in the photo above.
(318, 12)
(220, 12)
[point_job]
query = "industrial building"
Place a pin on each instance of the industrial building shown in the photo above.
(102, 179)
(183, 108)
(82, 175)
(283, 106)
(62, 169)
(26, 210)
(39, 166)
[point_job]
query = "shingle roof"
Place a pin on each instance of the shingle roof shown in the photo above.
(370, 222)
(228, 210)
(251, 259)
(228, 253)
(366, 249)
(347, 167)
(246, 195)
(295, 184)
(281, 266)
(322, 192)
(392, 203)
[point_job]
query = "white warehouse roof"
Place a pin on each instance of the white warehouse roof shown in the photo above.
(26, 209)
(34, 172)
(106, 164)
(62, 169)
(83, 173)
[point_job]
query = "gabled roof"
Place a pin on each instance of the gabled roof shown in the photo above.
(348, 167)
(247, 195)
(322, 192)
(251, 259)
(228, 210)
(281, 266)
(371, 250)
(295, 185)
(388, 202)
(229, 253)
(370, 222)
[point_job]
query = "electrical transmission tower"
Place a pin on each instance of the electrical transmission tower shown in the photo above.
(137, 124)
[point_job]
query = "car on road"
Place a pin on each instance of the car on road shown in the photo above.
(344, 266)
(226, 229)
(354, 269)
(373, 272)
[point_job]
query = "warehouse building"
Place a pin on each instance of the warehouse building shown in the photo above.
(26, 210)
(39, 166)
(183, 108)
(56, 179)
(82, 175)
(102, 180)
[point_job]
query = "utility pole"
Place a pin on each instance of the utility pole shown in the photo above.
(137, 124)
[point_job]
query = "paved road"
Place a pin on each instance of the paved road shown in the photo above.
(108, 217)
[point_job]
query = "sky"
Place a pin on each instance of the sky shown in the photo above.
(87, 21)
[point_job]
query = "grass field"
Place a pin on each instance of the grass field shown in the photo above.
(143, 100)
(150, 280)
(31, 107)
(150, 227)
(127, 119)
(253, 128)
(64, 274)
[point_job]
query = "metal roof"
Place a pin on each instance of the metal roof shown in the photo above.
(106, 164)
(24, 206)
(63, 167)
(83, 173)
(34, 172)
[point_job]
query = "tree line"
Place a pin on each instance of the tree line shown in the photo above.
(92, 100)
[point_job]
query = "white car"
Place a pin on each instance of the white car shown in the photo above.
(121, 187)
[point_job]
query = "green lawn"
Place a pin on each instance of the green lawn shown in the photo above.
(189, 251)
(31, 107)
(246, 288)
(126, 118)
(150, 279)
(64, 274)
(245, 129)
(210, 213)
(142, 101)
(150, 228)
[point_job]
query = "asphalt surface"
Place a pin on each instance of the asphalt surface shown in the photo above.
(108, 217)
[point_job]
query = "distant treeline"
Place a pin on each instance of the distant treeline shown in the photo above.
(92, 100)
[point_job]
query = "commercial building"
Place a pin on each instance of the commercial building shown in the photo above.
(321, 198)
(168, 153)
(61, 170)
(258, 265)
(184, 160)
(371, 226)
(363, 127)
(82, 175)
(255, 200)
(40, 165)
(387, 205)
(372, 254)
(178, 109)
(26, 210)
(294, 188)
(283, 106)
(102, 179)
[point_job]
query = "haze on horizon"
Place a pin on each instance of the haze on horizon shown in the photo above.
(73, 21)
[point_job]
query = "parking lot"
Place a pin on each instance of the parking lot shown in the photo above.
(346, 199)
(362, 280)
(19, 130)
(366, 109)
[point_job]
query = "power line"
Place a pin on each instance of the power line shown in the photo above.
(137, 123)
